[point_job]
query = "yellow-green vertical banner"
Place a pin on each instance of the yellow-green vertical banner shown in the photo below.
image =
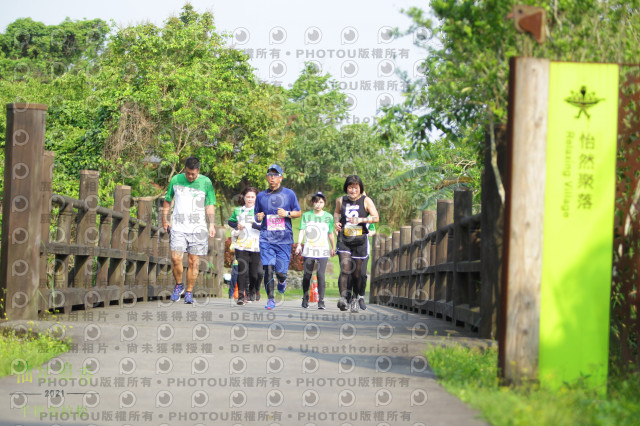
(578, 223)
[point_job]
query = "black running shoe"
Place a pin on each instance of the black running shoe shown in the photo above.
(361, 303)
(342, 304)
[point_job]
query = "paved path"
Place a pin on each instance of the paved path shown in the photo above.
(164, 363)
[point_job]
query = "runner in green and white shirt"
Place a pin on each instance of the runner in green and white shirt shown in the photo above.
(316, 231)
(193, 205)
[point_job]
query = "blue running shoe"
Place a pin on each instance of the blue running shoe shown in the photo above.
(270, 304)
(282, 287)
(177, 292)
(188, 298)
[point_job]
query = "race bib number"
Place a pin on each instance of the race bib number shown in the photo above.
(244, 242)
(351, 230)
(315, 243)
(275, 223)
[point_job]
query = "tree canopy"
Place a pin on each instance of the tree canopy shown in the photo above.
(463, 88)
(133, 102)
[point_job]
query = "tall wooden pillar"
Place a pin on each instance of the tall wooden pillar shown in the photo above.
(462, 207)
(87, 231)
(442, 282)
(120, 233)
(21, 209)
(45, 219)
(145, 212)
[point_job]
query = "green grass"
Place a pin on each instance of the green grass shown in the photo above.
(26, 349)
(471, 375)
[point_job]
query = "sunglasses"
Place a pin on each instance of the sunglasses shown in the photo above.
(274, 174)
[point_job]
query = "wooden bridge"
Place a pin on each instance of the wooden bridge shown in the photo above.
(90, 256)
(139, 358)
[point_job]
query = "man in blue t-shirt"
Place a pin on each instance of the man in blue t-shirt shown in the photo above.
(275, 207)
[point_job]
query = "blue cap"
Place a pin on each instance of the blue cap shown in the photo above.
(321, 195)
(275, 167)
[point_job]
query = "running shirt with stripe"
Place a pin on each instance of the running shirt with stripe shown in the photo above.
(248, 237)
(190, 200)
(317, 229)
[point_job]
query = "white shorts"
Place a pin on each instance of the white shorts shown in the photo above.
(190, 243)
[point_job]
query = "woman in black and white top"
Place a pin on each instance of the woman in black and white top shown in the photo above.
(353, 212)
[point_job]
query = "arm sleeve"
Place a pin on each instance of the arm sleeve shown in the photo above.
(303, 222)
(233, 220)
(257, 208)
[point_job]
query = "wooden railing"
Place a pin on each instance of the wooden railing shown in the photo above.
(434, 265)
(116, 258)
(59, 253)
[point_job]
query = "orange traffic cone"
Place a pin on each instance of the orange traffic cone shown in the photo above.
(235, 292)
(313, 297)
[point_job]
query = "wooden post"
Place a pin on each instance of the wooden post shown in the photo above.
(211, 261)
(63, 236)
(442, 284)
(383, 268)
(462, 207)
(201, 278)
(131, 264)
(395, 246)
(164, 251)
(21, 233)
(119, 231)
(428, 260)
(378, 267)
(154, 267)
(388, 285)
(405, 267)
(492, 230)
(417, 235)
(519, 331)
(104, 243)
(145, 206)
(154, 250)
(475, 277)
(45, 221)
(219, 272)
(373, 258)
(87, 232)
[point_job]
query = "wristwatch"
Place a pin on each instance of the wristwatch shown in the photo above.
(288, 213)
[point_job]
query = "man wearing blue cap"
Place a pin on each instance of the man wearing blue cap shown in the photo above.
(275, 207)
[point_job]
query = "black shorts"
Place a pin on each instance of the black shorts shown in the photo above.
(356, 247)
